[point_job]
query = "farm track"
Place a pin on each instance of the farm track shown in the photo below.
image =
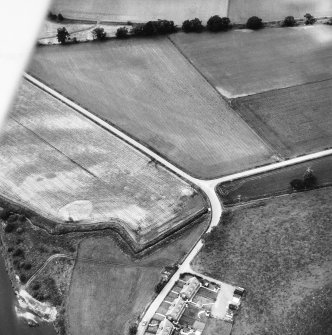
(207, 186)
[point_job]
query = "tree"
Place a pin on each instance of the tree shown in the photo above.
(254, 23)
(121, 32)
(51, 16)
(99, 34)
(309, 179)
(217, 23)
(309, 19)
(60, 17)
(23, 278)
(62, 35)
(10, 227)
(289, 21)
(194, 25)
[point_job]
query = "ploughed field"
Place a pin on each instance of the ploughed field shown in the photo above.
(296, 120)
(275, 182)
(149, 90)
(242, 62)
(62, 165)
(271, 10)
(280, 252)
(141, 10)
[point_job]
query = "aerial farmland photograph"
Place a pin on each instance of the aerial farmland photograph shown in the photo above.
(166, 169)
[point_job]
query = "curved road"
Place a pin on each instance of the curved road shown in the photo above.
(207, 186)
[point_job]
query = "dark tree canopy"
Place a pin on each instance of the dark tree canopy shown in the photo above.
(254, 23)
(62, 35)
(99, 34)
(122, 32)
(194, 25)
(289, 21)
(217, 23)
(160, 27)
(309, 179)
(309, 19)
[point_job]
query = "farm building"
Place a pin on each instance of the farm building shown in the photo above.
(190, 288)
(165, 327)
(176, 309)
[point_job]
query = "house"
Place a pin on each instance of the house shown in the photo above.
(165, 327)
(176, 309)
(190, 288)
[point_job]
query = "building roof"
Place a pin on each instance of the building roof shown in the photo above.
(190, 288)
(165, 327)
(176, 309)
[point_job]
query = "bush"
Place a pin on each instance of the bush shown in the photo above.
(60, 17)
(12, 218)
(254, 23)
(133, 329)
(309, 19)
(23, 278)
(18, 252)
(158, 288)
(297, 184)
(289, 21)
(51, 16)
(10, 249)
(121, 32)
(329, 22)
(194, 26)
(62, 35)
(27, 266)
(36, 286)
(99, 34)
(217, 23)
(10, 227)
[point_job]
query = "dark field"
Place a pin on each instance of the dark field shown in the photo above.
(295, 120)
(282, 260)
(275, 182)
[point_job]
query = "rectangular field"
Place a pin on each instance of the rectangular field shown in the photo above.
(271, 10)
(281, 254)
(275, 182)
(295, 121)
(140, 10)
(60, 164)
(148, 89)
(242, 62)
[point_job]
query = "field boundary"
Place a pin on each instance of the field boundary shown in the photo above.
(224, 98)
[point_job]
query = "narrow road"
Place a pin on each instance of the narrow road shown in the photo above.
(207, 186)
(50, 259)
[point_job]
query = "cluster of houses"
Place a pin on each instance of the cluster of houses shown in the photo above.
(176, 309)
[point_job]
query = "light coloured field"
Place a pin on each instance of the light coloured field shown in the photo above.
(148, 89)
(62, 165)
(50, 29)
(271, 10)
(244, 62)
(140, 10)
(295, 120)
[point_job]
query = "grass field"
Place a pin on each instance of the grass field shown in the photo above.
(109, 291)
(274, 182)
(244, 62)
(282, 260)
(295, 121)
(141, 10)
(162, 101)
(60, 164)
(271, 10)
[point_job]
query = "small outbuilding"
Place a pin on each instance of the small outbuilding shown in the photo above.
(165, 327)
